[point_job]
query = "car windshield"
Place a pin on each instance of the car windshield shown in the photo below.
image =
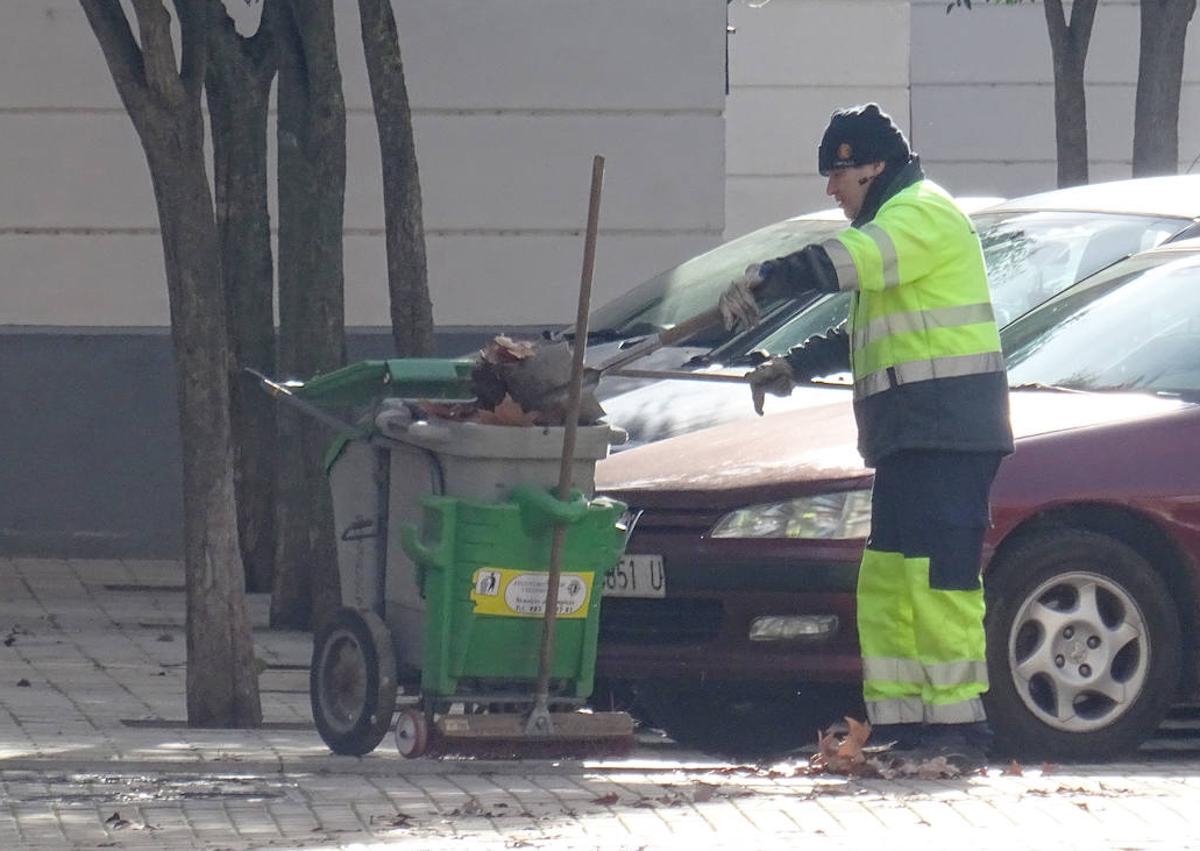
(1030, 256)
(1134, 327)
(693, 287)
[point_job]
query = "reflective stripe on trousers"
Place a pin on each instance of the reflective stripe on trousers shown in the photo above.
(922, 648)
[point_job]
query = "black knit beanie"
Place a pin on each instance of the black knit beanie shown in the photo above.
(861, 135)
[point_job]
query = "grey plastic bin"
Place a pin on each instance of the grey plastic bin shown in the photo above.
(417, 459)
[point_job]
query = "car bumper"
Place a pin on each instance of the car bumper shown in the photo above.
(715, 592)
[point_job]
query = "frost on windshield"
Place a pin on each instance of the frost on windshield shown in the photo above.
(1136, 330)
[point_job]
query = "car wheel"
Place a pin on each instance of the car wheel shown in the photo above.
(1083, 648)
(743, 720)
(352, 681)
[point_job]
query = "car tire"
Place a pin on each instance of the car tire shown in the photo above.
(352, 681)
(741, 720)
(1083, 648)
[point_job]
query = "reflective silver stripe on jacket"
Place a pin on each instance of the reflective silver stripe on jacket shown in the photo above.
(953, 366)
(912, 710)
(896, 710)
(915, 321)
(887, 251)
(897, 670)
(843, 264)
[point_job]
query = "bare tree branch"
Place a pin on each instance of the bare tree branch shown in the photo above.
(1083, 15)
(121, 52)
(1056, 21)
(158, 51)
(194, 19)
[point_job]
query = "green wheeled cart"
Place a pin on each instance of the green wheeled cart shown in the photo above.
(445, 532)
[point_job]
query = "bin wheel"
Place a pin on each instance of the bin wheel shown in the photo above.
(412, 733)
(352, 682)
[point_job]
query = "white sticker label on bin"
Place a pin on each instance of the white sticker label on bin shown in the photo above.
(519, 593)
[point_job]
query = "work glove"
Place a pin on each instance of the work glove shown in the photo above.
(774, 377)
(739, 310)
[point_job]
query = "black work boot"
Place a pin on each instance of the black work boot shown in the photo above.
(898, 737)
(965, 746)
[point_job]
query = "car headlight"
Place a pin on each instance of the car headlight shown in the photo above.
(844, 514)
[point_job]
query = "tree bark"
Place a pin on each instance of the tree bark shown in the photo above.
(1160, 76)
(408, 288)
(1069, 48)
(312, 181)
(164, 104)
(238, 88)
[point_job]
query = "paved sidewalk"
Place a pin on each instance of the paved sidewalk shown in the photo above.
(94, 754)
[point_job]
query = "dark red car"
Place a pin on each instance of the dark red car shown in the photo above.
(734, 607)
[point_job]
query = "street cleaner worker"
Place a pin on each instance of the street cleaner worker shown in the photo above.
(931, 404)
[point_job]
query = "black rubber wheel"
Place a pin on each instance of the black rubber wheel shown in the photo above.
(352, 682)
(741, 720)
(1083, 648)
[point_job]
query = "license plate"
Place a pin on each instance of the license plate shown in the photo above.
(637, 576)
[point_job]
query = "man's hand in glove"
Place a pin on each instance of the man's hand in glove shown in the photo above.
(739, 310)
(774, 377)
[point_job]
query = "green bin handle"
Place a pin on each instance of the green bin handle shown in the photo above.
(442, 553)
(541, 508)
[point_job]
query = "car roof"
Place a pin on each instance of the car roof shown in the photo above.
(1174, 195)
(967, 203)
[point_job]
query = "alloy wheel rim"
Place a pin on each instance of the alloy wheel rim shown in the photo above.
(1079, 652)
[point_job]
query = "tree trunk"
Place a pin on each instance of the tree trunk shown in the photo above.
(408, 289)
(1069, 48)
(238, 87)
(164, 104)
(1160, 76)
(312, 181)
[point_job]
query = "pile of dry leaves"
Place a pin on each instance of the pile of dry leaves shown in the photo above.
(519, 383)
(850, 754)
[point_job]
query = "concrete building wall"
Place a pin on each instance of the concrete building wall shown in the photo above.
(974, 90)
(983, 94)
(510, 102)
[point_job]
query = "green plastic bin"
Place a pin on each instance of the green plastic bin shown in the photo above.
(483, 572)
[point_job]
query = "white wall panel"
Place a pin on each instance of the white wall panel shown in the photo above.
(819, 43)
(72, 169)
(49, 58)
(514, 172)
(753, 202)
(520, 54)
(494, 282)
(82, 279)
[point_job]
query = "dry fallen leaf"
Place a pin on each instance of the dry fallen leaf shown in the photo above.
(116, 822)
(1013, 769)
(398, 820)
(507, 413)
(607, 800)
(504, 349)
(844, 755)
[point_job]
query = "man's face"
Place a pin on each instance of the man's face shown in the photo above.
(849, 186)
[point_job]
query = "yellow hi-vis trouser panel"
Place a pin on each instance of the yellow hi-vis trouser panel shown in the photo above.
(922, 648)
